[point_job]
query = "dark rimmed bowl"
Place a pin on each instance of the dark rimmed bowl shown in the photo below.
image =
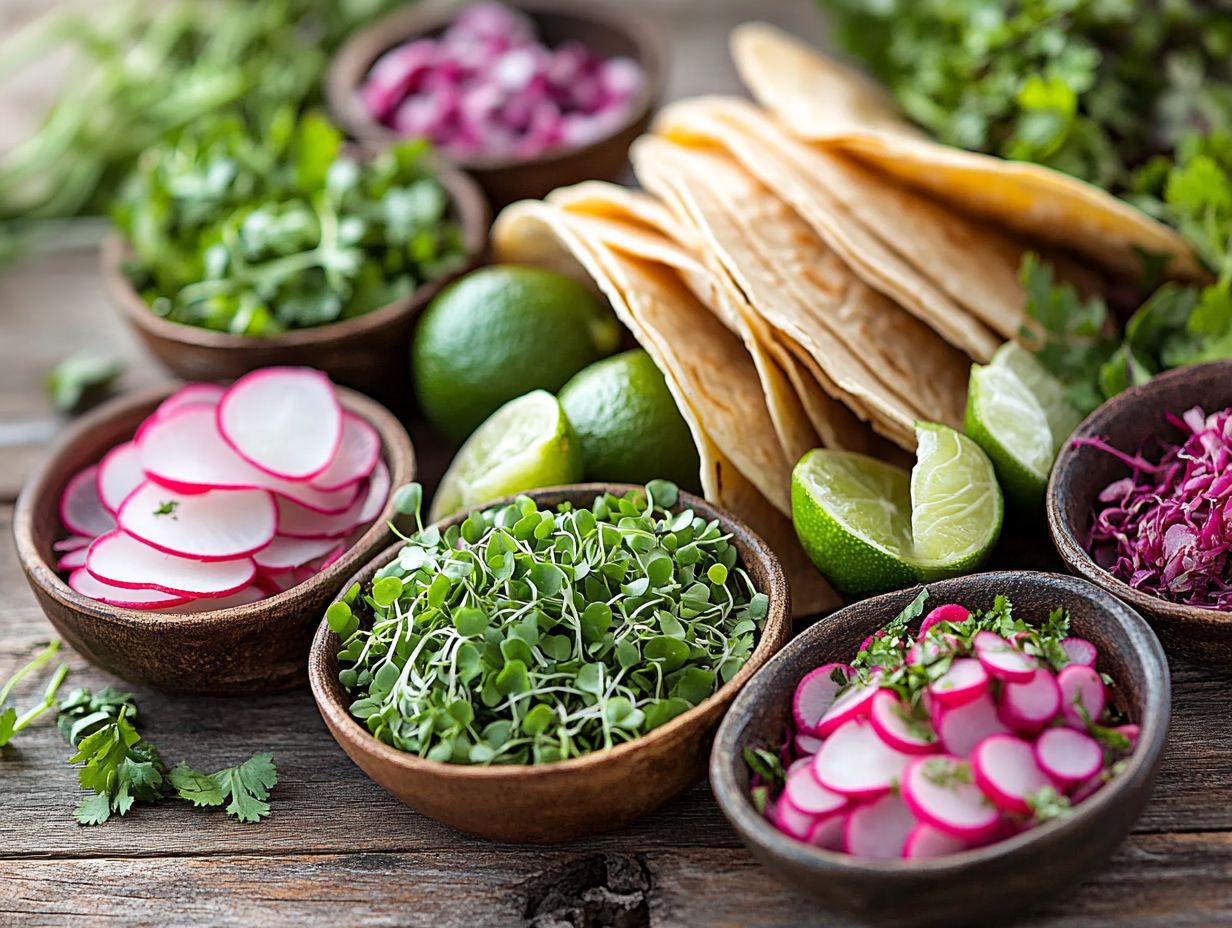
(608, 29)
(369, 353)
(581, 796)
(1080, 473)
(991, 885)
(260, 647)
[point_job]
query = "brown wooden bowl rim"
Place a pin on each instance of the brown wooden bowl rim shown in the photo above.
(323, 657)
(473, 213)
(1064, 536)
(355, 58)
(1138, 644)
(396, 448)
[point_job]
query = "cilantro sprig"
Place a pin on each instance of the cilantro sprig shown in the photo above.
(11, 721)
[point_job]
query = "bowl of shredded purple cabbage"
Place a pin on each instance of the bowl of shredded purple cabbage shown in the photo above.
(1140, 502)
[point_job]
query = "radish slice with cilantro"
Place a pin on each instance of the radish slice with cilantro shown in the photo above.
(804, 792)
(964, 682)
(217, 525)
(897, 728)
(929, 841)
(81, 510)
(1005, 770)
(284, 421)
(1068, 757)
(855, 762)
(358, 453)
(1002, 660)
(807, 744)
(288, 553)
(1083, 697)
(1079, 651)
(193, 394)
(950, 612)
(72, 560)
(963, 727)
(1028, 707)
(941, 791)
(72, 543)
(119, 473)
(878, 830)
(121, 560)
(790, 820)
(815, 694)
(85, 583)
(827, 833)
(854, 703)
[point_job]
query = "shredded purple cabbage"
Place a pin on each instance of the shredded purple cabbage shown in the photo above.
(1167, 528)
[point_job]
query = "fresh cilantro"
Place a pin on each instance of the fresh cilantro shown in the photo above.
(11, 721)
(248, 785)
(81, 378)
(119, 768)
(1046, 804)
(167, 507)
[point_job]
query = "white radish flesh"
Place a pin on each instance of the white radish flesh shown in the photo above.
(72, 543)
(194, 394)
(853, 704)
(85, 583)
(1079, 651)
(285, 421)
(941, 791)
(804, 792)
(119, 473)
(827, 833)
(357, 455)
(962, 728)
(72, 560)
(879, 829)
(1083, 697)
(895, 726)
(927, 841)
(296, 521)
(245, 597)
(1002, 660)
(217, 525)
(1028, 707)
(855, 762)
(288, 553)
(791, 821)
(964, 682)
(1068, 756)
(815, 694)
(81, 510)
(121, 560)
(377, 493)
(1005, 770)
(807, 744)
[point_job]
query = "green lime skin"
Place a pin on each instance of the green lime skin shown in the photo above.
(498, 333)
(628, 424)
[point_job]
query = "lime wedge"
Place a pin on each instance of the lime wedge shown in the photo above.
(526, 443)
(1062, 417)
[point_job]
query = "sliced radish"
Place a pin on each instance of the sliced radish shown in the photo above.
(806, 794)
(285, 421)
(217, 525)
(827, 833)
(377, 493)
(1001, 659)
(275, 581)
(852, 704)
(929, 841)
(1081, 689)
(119, 473)
(1028, 707)
(358, 453)
(288, 553)
(296, 521)
(815, 694)
(1005, 770)
(72, 543)
(193, 394)
(798, 763)
(1068, 756)
(807, 745)
(950, 612)
(328, 560)
(1079, 651)
(1131, 732)
(941, 791)
(963, 682)
(121, 560)
(854, 761)
(81, 510)
(245, 597)
(72, 560)
(85, 583)
(879, 829)
(963, 727)
(897, 728)
(791, 821)
(1087, 788)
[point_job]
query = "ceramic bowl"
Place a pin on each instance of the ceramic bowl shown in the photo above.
(581, 796)
(994, 884)
(608, 29)
(1080, 473)
(243, 650)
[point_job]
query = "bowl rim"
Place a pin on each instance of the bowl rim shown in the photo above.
(396, 447)
(1063, 531)
(474, 217)
(775, 631)
(1141, 764)
(355, 58)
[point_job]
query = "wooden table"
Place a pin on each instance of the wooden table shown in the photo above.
(337, 850)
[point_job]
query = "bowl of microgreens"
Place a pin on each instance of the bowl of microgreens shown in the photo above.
(239, 247)
(551, 665)
(1000, 731)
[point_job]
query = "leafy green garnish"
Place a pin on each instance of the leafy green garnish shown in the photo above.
(79, 378)
(1046, 804)
(11, 722)
(247, 785)
(167, 507)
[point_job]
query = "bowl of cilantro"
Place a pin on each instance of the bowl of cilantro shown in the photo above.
(237, 249)
(552, 665)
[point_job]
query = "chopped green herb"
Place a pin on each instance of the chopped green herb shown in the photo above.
(81, 378)
(166, 507)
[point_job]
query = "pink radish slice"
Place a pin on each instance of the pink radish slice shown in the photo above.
(85, 583)
(245, 597)
(1068, 756)
(807, 744)
(274, 581)
(218, 525)
(1081, 688)
(1002, 660)
(791, 821)
(965, 681)
(1079, 651)
(879, 829)
(296, 521)
(827, 833)
(119, 473)
(81, 510)
(897, 729)
(854, 761)
(329, 560)
(815, 695)
(72, 543)
(928, 841)
(941, 791)
(950, 612)
(806, 794)
(963, 727)
(121, 560)
(1129, 731)
(193, 394)
(1087, 789)
(798, 763)
(285, 421)
(357, 455)
(1028, 707)
(1005, 770)
(377, 493)
(288, 553)
(852, 704)
(72, 560)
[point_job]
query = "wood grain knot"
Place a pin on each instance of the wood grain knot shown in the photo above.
(600, 891)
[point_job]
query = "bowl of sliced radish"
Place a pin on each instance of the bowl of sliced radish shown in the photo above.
(188, 537)
(948, 755)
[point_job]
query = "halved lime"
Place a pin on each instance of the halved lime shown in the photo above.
(525, 444)
(1062, 416)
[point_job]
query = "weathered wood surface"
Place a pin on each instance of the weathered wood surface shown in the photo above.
(337, 850)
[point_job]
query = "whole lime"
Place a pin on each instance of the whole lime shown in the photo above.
(498, 333)
(627, 423)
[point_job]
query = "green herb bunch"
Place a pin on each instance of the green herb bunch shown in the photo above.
(11, 721)
(256, 230)
(531, 636)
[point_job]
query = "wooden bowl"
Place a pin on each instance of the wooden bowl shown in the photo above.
(1080, 473)
(608, 29)
(994, 884)
(248, 649)
(370, 353)
(581, 796)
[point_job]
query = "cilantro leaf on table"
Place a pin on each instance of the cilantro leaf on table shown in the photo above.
(119, 767)
(11, 721)
(80, 377)
(247, 784)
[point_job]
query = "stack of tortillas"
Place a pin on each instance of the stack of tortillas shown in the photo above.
(810, 271)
